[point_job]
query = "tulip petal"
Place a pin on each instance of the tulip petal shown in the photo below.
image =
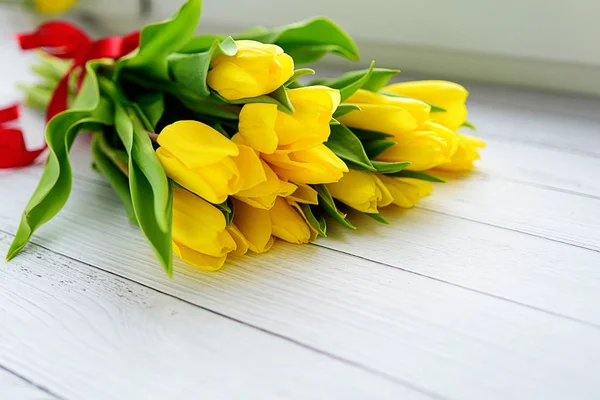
(288, 224)
(211, 182)
(196, 144)
(311, 166)
(241, 242)
(406, 191)
(257, 126)
(305, 194)
(202, 261)
(384, 118)
(255, 225)
(252, 171)
(199, 225)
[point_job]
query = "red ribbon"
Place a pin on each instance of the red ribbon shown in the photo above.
(66, 41)
(13, 152)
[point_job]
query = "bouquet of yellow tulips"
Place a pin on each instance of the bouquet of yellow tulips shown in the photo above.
(215, 147)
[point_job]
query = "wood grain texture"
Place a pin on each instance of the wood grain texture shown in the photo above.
(443, 339)
(13, 387)
(85, 333)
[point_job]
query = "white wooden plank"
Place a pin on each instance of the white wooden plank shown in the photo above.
(542, 166)
(559, 216)
(451, 341)
(556, 125)
(84, 333)
(13, 387)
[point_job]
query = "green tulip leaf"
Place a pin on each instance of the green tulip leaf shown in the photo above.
(159, 40)
(327, 203)
(318, 224)
(151, 192)
(278, 97)
(348, 147)
(113, 173)
(383, 167)
(377, 217)
(152, 106)
(418, 175)
(297, 75)
(372, 79)
(469, 125)
(344, 109)
(54, 188)
(306, 41)
(376, 147)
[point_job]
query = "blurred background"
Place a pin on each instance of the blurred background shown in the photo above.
(549, 44)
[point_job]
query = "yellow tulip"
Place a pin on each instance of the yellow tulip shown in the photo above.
(199, 233)
(448, 95)
(267, 129)
(205, 162)
(406, 191)
(312, 166)
(362, 191)
(54, 7)
(264, 194)
(391, 115)
(467, 152)
(288, 224)
(256, 69)
(425, 149)
(255, 226)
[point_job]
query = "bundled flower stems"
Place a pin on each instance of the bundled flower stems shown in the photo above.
(216, 149)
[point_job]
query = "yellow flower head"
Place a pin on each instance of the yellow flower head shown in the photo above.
(391, 115)
(312, 166)
(54, 7)
(256, 69)
(255, 225)
(466, 153)
(200, 236)
(266, 129)
(205, 162)
(448, 95)
(406, 191)
(425, 149)
(362, 191)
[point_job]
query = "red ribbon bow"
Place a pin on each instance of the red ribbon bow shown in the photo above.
(13, 152)
(66, 41)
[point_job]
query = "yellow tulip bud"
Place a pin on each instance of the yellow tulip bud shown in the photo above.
(266, 129)
(54, 7)
(448, 95)
(255, 225)
(315, 165)
(391, 115)
(256, 69)
(425, 149)
(406, 191)
(199, 233)
(205, 162)
(288, 224)
(467, 152)
(362, 191)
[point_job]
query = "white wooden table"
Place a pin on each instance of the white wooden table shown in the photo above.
(489, 289)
